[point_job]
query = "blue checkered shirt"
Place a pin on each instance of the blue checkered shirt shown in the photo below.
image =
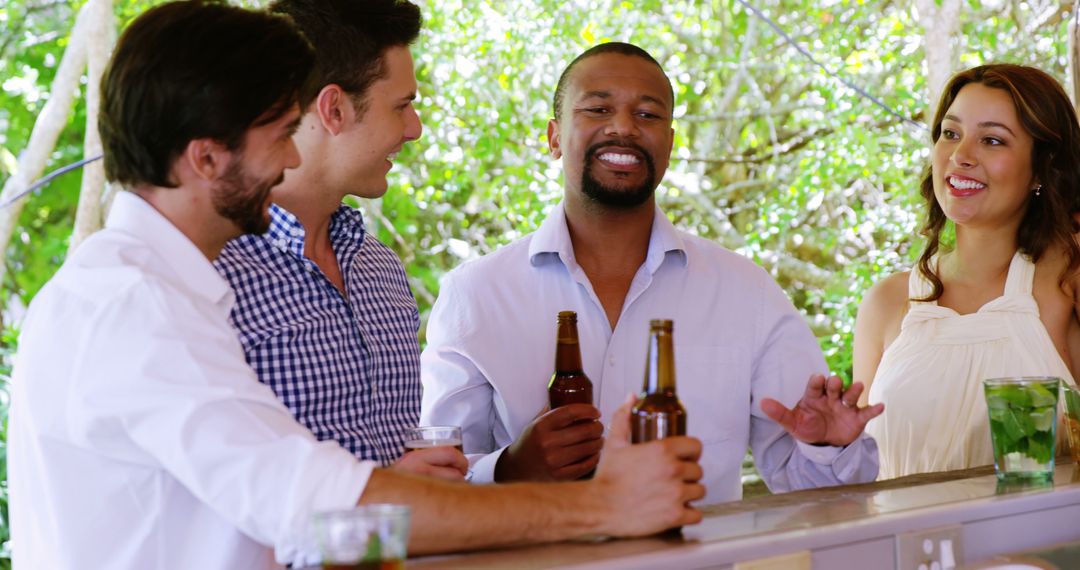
(348, 369)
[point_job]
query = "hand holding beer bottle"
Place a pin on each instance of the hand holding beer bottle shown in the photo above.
(563, 443)
(651, 484)
(659, 414)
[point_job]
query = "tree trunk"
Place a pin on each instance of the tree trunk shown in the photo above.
(47, 128)
(101, 36)
(940, 20)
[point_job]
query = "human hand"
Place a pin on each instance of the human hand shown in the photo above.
(561, 444)
(826, 414)
(443, 462)
(648, 486)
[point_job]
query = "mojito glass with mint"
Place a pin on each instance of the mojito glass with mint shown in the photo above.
(1023, 427)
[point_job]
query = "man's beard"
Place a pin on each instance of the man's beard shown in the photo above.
(242, 199)
(618, 198)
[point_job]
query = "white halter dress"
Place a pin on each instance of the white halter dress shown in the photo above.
(930, 377)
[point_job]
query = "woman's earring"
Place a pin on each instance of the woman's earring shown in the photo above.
(1038, 189)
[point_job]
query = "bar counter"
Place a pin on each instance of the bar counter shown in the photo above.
(878, 525)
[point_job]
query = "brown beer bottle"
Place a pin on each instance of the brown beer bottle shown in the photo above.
(658, 414)
(569, 384)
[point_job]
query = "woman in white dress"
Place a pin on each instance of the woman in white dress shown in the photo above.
(995, 291)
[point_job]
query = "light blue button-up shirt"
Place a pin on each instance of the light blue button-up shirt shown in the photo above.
(738, 339)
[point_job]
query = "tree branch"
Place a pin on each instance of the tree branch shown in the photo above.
(47, 128)
(785, 264)
(780, 148)
(101, 35)
(754, 113)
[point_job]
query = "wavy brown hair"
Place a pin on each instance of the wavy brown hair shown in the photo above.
(1048, 116)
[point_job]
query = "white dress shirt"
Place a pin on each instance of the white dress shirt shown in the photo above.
(139, 436)
(738, 339)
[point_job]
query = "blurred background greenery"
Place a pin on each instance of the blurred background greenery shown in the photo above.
(774, 157)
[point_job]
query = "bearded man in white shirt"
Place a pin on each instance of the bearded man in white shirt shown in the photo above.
(139, 436)
(743, 353)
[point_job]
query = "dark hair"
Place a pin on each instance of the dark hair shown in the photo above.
(1048, 116)
(351, 37)
(609, 47)
(189, 70)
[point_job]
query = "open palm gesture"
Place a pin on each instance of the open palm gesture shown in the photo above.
(827, 414)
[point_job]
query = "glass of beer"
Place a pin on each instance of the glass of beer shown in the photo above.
(370, 537)
(1023, 427)
(423, 437)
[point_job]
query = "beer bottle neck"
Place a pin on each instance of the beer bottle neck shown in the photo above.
(567, 349)
(660, 364)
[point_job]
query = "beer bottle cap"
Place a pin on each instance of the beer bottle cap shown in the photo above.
(663, 324)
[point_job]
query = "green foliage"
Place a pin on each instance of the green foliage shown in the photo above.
(773, 157)
(30, 51)
(8, 338)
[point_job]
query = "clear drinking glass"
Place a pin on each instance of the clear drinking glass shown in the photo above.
(370, 537)
(1023, 427)
(1070, 400)
(433, 436)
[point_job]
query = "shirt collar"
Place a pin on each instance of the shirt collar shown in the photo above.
(288, 234)
(285, 232)
(552, 241)
(134, 216)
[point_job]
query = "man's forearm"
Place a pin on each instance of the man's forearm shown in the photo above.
(453, 516)
(637, 490)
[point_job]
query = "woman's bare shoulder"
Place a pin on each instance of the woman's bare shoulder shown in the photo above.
(888, 293)
(878, 323)
(1052, 273)
(883, 308)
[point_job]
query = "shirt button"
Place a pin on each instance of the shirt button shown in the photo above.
(611, 361)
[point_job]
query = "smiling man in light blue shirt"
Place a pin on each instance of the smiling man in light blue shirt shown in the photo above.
(743, 353)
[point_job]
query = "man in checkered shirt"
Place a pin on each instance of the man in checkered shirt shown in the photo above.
(323, 309)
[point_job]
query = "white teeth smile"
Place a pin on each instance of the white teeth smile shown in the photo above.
(964, 184)
(623, 159)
